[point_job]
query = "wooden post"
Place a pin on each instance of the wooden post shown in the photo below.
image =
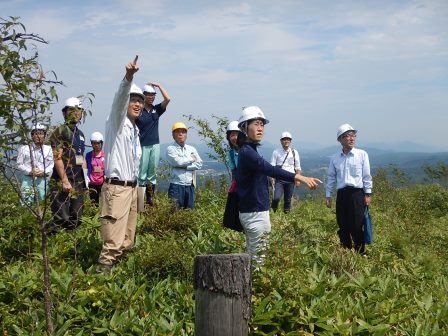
(223, 293)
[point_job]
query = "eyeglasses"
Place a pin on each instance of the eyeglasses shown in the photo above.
(349, 135)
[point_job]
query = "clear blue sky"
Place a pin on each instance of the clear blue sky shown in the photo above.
(311, 65)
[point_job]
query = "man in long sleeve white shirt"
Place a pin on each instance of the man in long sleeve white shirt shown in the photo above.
(349, 172)
(288, 159)
(122, 151)
(184, 161)
(36, 163)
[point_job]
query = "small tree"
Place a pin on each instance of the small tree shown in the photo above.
(26, 95)
(215, 138)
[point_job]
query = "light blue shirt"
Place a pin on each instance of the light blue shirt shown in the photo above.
(180, 158)
(349, 170)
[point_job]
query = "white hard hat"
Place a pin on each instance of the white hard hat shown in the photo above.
(250, 113)
(96, 136)
(149, 89)
(38, 126)
(286, 135)
(136, 91)
(233, 126)
(72, 102)
(344, 128)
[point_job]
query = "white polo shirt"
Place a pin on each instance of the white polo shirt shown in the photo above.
(122, 148)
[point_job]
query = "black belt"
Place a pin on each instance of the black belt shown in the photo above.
(116, 181)
(349, 188)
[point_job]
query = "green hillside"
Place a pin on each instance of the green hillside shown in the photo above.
(309, 286)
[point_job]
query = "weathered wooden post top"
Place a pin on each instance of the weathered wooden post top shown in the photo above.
(223, 294)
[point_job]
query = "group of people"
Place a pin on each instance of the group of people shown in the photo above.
(348, 171)
(127, 158)
(123, 161)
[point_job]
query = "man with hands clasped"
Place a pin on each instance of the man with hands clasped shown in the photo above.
(68, 181)
(35, 161)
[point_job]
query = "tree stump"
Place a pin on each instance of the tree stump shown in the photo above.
(223, 294)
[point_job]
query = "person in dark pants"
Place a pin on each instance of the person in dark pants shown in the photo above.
(68, 183)
(349, 172)
(288, 159)
(184, 160)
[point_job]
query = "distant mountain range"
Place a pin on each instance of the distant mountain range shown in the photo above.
(408, 156)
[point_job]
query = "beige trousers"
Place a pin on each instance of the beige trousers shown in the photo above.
(118, 221)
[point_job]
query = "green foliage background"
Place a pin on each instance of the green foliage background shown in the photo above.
(309, 286)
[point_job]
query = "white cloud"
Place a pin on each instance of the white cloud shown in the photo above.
(307, 62)
(50, 24)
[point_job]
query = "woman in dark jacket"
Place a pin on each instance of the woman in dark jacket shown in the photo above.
(252, 180)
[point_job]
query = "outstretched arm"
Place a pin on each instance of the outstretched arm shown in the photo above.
(311, 182)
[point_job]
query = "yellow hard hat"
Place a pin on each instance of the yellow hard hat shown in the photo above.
(178, 125)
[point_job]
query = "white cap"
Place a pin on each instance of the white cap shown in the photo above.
(233, 126)
(149, 89)
(136, 91)
(286, 135)
(72, 102)
(343, 129)
(96, 136)
(251, 113)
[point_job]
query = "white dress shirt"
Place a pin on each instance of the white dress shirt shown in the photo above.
(182, 164)
(121, 145)
(292, 162)
(42, 159)
(349, 170)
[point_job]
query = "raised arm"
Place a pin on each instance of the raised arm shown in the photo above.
(131, 69)
(166, 96)
(121, 99)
